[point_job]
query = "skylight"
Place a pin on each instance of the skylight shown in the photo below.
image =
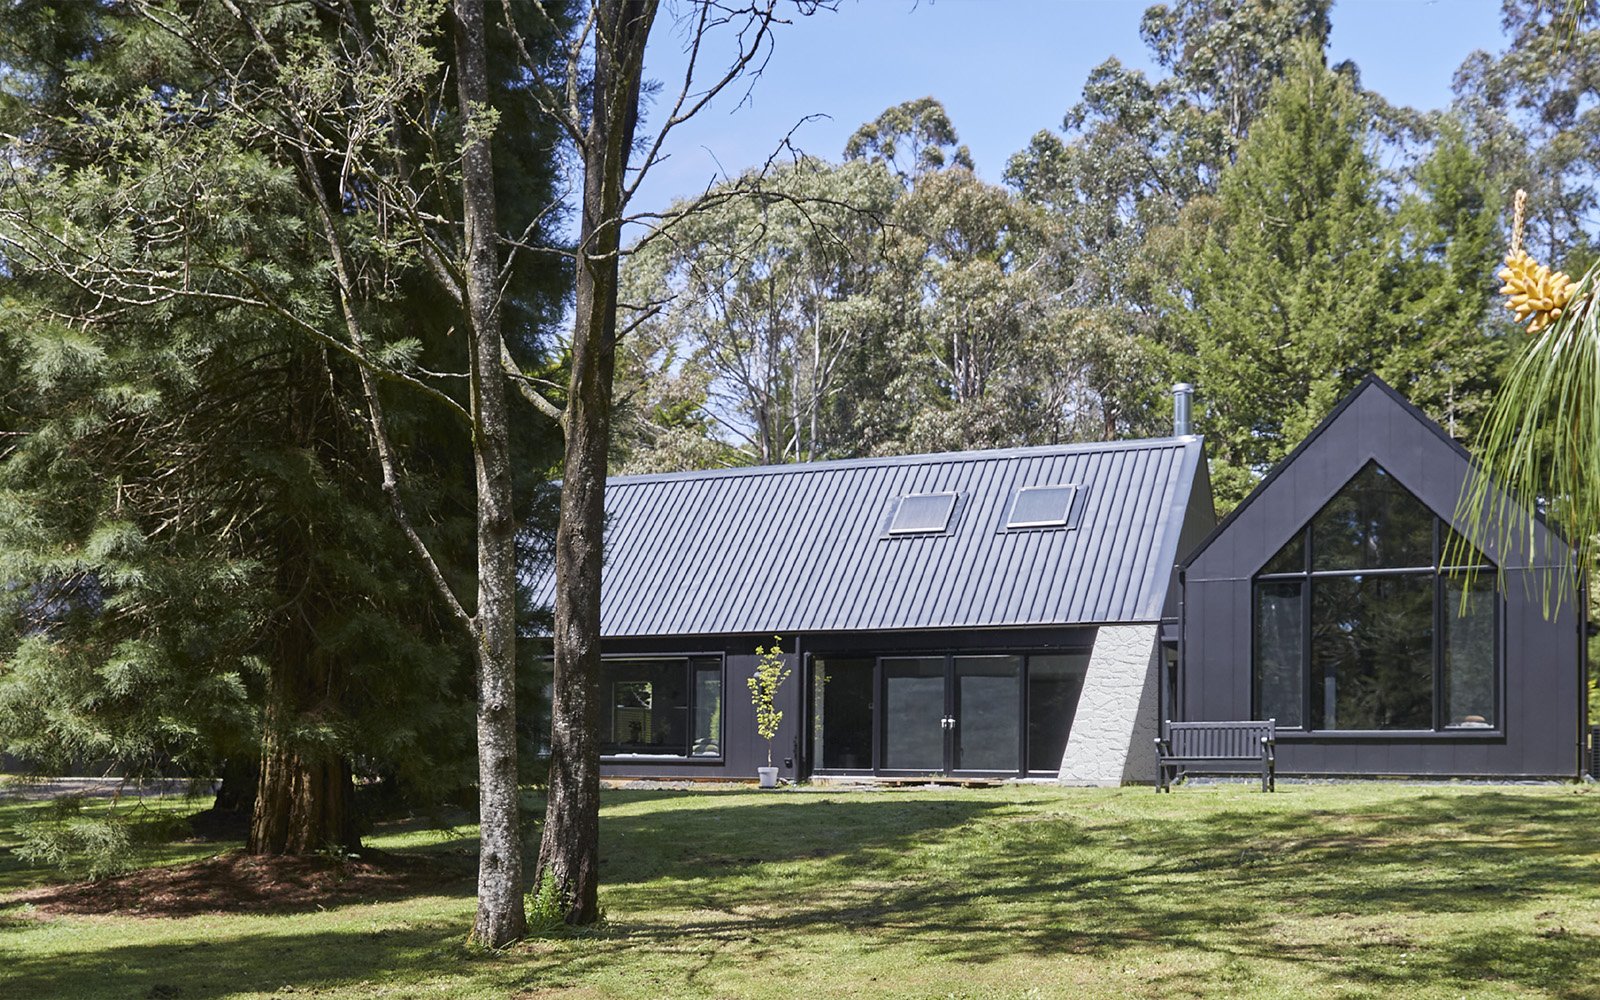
(923, 514)
(1042, 507)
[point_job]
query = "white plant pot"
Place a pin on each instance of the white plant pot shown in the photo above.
(769, 776)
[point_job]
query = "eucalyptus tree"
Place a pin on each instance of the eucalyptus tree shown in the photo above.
(1534, 112)
(1130, 157)
(912, 138)
(980, 316)
(768, 307)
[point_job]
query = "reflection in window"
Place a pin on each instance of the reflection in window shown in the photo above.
(667, 707)
(1370, 624)
(988, 690)
(1291, 558)
(1373, 523)
(967, 711)
(1054, 684)
(1372, 652)
(913, 697)
(1280, 660)
(1469, 614)
(841, 721)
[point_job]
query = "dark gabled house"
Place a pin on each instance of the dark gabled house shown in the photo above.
(1038, 611)
(993, 612)
(1342, 600)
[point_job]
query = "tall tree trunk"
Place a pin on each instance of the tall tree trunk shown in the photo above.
(305, 803)
(500, 918)
(570, 849)
(305, 798)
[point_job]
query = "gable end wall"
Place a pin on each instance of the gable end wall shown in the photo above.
(1541, 698)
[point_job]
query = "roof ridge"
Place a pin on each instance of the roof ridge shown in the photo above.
(922, 458)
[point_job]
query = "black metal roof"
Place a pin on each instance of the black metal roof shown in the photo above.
(806, 547)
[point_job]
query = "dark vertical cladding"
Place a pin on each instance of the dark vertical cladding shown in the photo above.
(1533, 730)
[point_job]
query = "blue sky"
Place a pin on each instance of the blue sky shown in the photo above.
(1003, 69)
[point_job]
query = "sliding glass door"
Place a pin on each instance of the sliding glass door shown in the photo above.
(986, 734)
(914, 721)
(968, 713)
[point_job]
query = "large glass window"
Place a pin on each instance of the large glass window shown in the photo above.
(1054, 683)
(988, 699)
(841, 717)
(1372, 652)
(669, 707)
(1469, 645)
(1280, 651)
(1366, 620)
(913, 698)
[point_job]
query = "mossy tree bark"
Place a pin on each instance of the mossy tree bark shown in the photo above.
(570, 847)
(500, 916)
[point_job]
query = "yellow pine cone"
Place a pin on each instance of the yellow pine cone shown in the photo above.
(1535, 294)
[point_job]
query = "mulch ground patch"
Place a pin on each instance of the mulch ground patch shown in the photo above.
(236, 882)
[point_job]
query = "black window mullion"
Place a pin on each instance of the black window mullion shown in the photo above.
(1312, 683)
(952, 711)
(688, 703)
(1439, 650)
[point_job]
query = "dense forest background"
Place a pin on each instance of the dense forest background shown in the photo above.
(1251, 219)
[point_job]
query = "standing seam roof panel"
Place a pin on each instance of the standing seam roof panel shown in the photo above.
(801, 547)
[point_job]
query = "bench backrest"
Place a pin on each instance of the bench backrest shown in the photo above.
(1219, 739)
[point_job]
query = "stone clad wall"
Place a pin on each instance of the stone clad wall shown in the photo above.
(1113, 732)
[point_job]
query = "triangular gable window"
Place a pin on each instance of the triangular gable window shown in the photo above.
(1373, 523)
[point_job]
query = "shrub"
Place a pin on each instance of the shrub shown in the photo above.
(547, 907)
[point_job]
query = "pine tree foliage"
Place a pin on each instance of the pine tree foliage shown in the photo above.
(1283, 305)
(204, 560)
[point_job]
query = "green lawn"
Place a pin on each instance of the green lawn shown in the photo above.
(1319, 890)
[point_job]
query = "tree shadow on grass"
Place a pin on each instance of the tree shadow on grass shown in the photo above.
(968, 881)
(237, 883)
(194, 968)
(1388, 897)
(719, 836)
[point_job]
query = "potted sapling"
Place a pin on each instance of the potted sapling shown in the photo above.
(769, 677)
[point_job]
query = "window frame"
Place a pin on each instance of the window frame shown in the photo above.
(688, 659)
(954, 496)
(1065, 523)
(1441, 573)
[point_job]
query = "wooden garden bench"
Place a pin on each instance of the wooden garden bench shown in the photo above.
(1198, 744)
